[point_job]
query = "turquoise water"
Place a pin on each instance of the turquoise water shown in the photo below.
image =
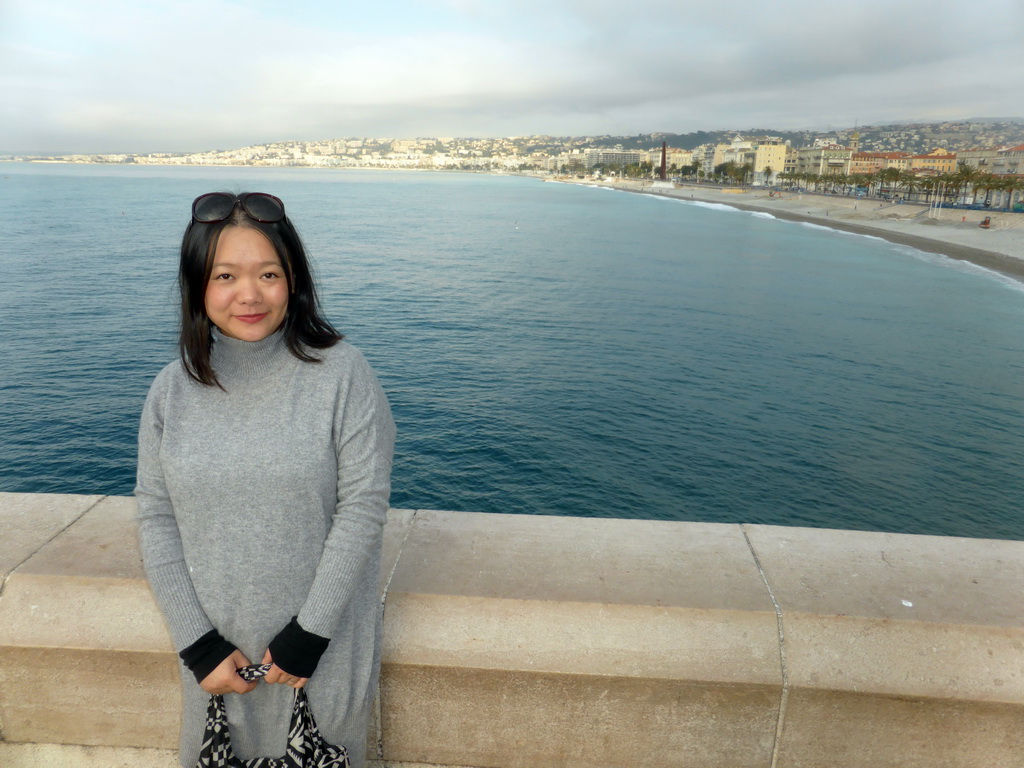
(549, 348)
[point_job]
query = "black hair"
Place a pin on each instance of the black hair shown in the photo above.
(304, 325)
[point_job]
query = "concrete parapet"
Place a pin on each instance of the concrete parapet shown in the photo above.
(520, 641)
(539, 641)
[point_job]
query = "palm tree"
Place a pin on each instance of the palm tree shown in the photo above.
(892, 176)
(930, 186)
(858, 180)
(767, 171)
(877, 181)
(910, 183)
(967, 176)
(976, 184)
(740, 172)
(948, 186)
(1008, 185)
(988, 182)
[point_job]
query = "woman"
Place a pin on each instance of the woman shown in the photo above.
(263, 481)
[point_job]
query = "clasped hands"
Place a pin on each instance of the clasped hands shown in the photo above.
(225, 679)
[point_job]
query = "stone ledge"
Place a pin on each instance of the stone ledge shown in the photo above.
(32, 519)
(912, 616)
(542, 641)
(74, 756)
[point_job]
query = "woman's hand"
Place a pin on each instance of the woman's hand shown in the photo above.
(278, 675)
(225, 679)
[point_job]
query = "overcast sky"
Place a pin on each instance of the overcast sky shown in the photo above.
(190, 75)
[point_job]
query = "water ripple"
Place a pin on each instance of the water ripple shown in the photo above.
(548, 350)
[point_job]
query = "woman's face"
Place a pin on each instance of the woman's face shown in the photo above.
(247, 295)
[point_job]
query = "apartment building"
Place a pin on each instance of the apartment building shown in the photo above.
(761, 153)
(982, 158)
(705, 155)
(872, 162)
(791, 155)
(825, 160)
(936, 162)
(677, 157)
(769, 159)
(1010, 160)
(610, 157)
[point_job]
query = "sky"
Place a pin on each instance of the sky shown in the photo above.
(195, 75)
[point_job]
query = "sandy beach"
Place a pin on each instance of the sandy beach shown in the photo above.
(953, 233)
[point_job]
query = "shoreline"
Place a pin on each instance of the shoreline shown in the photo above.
(952, 233)
(955, 233)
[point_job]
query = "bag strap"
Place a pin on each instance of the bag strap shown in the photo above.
(253, 672)
(306, 746)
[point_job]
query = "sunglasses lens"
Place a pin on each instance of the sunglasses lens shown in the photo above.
(215, 206)
(263, 207)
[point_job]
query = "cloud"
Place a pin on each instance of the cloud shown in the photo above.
(190, 75)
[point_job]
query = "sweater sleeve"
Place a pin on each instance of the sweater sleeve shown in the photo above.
(364, 437)
(159, 538)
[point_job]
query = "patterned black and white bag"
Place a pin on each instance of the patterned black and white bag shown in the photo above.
(306, 747)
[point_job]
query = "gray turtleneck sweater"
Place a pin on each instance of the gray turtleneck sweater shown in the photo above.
(263, 502)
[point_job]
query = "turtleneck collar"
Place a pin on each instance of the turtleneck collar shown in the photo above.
(239, 360)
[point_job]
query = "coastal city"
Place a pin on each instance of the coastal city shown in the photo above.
(964, 158)
(512, 384)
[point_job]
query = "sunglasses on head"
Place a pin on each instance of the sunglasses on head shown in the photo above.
(217, 206)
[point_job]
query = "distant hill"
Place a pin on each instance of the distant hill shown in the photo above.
(996, 120)
(915, 138)
(903, 137)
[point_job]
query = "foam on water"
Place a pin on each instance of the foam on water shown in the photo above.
(711, 206)
(961, 265)
(812, 225)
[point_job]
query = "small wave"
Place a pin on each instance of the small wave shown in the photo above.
(827, 228)
(866, 237)
(961, 265)
(719, 207)
(711, 206)
(809, 225)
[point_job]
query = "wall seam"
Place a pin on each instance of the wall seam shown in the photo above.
(378, 710)
(784, 696)
(398, 557)
(7, 576)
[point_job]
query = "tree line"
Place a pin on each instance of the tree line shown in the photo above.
(966, 186)
(963, 187)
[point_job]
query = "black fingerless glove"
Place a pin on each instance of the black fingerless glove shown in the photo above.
(297, 651)
(203, 656)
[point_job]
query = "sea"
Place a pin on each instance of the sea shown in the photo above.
(547, 348)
